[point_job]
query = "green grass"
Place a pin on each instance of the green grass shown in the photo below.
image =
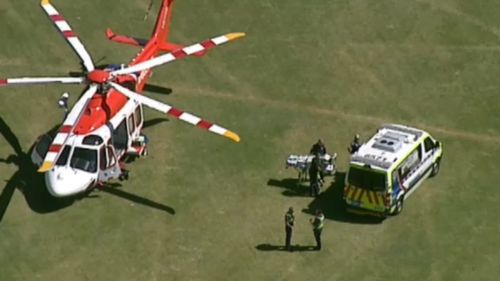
(305, 70)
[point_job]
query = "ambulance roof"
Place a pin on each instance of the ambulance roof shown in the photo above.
(388, 145)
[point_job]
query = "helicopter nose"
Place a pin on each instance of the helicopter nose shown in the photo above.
(59, 186)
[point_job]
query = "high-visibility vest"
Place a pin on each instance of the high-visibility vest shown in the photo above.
(318, 224)
(289, 218)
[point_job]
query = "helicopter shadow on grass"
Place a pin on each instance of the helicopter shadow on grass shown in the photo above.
(331, 202)
(157, 89)
(32, 184)
(26, 179)
(112, 188)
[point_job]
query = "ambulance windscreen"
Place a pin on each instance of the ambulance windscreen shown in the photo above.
(366, 179)
(84, 159)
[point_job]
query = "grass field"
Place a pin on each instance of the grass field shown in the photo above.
(202, 208)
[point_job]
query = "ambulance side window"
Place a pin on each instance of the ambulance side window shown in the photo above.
(410, 163)
(395, 181)
(428, 144)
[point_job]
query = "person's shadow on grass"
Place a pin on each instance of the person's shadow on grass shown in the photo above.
(292, 187)
(295, 248)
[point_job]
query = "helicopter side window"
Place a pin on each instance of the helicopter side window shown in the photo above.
(92, 140)
(120, 136)
(103, 158)
(138, 116)
(63, 158)
(111, 156)
(131, 124)
(84, 159)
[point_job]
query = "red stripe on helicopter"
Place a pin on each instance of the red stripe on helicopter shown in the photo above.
(65, 129)
(179, 54)
(175, 112)
(208, 44)
(55, 148)
(204, 125)
(3, 81)
(68, 34)
(56, 18)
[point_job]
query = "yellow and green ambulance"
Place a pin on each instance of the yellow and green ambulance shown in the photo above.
(388, 168)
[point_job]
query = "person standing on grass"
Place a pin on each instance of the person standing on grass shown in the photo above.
(355, 145)
(289, 221)
(317, 224)
(318, 148)
(314, 172)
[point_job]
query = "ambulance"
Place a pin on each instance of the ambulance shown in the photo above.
(388, 168)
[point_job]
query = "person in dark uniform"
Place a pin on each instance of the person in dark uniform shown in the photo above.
(314, 170)
(318, 148)
(355, 145)
(289, 221)
(317, 224)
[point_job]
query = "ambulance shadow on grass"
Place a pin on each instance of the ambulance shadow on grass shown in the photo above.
(332, 204)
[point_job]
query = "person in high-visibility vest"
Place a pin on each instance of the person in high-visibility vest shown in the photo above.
(317, 224)
(289, 221)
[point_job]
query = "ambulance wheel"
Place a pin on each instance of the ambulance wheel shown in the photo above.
(435, 168)
(399, 207)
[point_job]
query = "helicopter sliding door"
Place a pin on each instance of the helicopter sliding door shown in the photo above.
(108, 165)
(120, 138)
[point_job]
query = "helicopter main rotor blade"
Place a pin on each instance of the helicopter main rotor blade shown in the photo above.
(180, 53)
(41, 80)
(176, 113)
(68, 34)
(66, 129)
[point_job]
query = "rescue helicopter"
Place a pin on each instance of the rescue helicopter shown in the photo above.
(104, 125)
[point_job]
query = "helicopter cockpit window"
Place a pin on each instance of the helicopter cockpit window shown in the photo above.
(92, 140)
(84, 159)
(63, 158)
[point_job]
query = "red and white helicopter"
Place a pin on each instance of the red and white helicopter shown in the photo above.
(105, 124)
